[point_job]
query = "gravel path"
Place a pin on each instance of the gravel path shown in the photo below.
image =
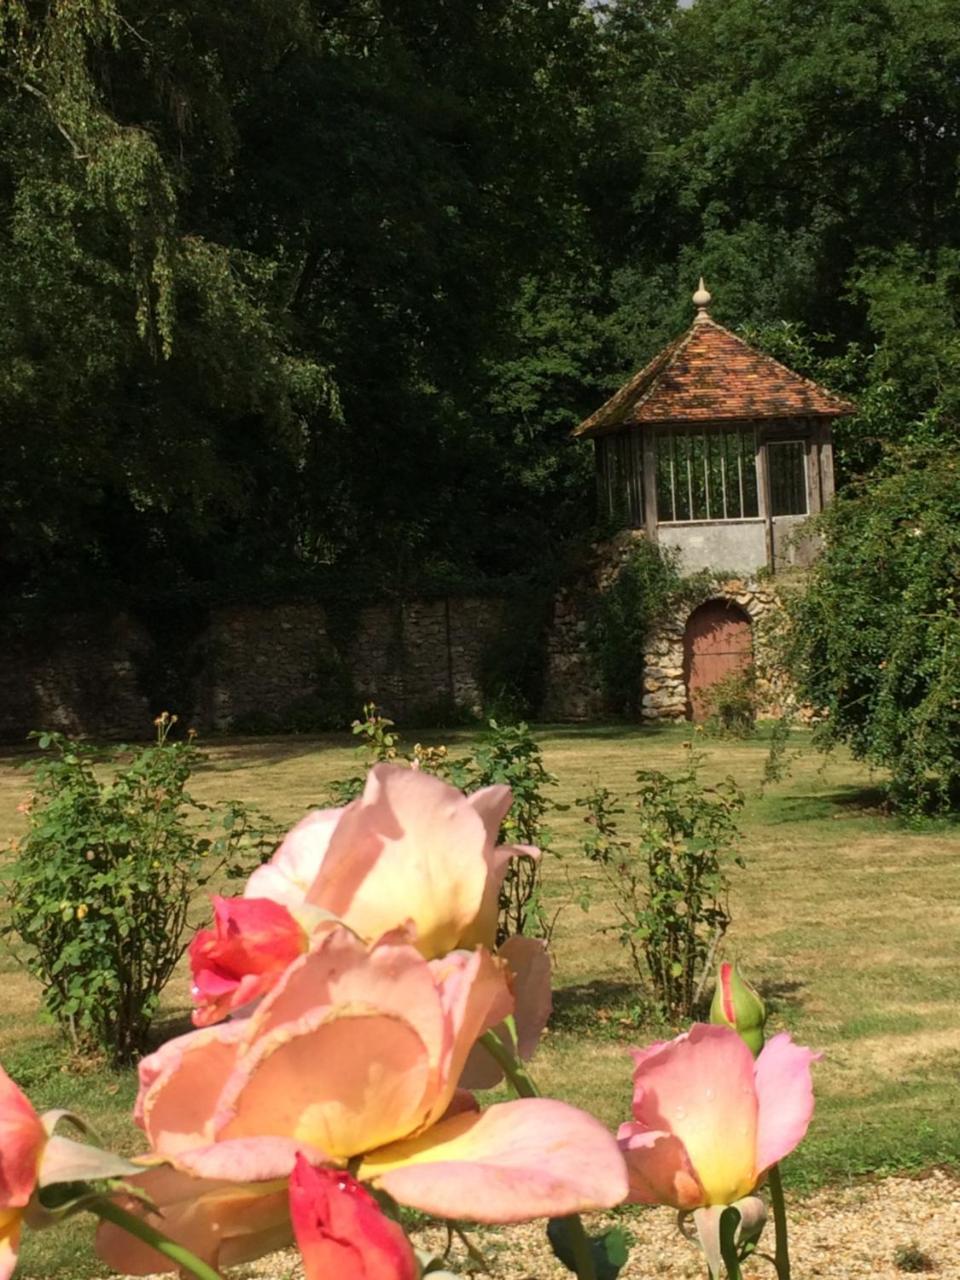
(871, 1229)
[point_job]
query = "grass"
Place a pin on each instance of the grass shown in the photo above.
(847, 917)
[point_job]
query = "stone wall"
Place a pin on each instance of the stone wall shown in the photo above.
(249, 667)
(79, 675)
(408, 657)
(574, 689)
(90, 674)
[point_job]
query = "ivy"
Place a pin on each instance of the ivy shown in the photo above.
(648, 587)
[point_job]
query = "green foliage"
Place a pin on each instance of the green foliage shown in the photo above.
(874, 644)
(321, 287)
(731, 705)
(609, 1250)
(101, 885)
(668, 885)
(911, 1258)
(512, 671)
(378, 743)
(647, 587)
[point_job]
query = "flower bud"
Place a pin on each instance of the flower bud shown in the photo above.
(342, 1231)
(738, 1005)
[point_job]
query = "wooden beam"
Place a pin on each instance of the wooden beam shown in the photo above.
(763, 498)
(812, 454)
(650, 516)
(827, 484)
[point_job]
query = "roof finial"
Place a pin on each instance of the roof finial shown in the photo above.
(701, 300)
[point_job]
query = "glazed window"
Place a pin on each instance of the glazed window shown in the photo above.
(620, 476)
(788, 477)
(707, 475)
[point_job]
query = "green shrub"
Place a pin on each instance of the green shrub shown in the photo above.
(378, 743)
(874, 639)
(669, 885)
(731, 705)
(101, 885)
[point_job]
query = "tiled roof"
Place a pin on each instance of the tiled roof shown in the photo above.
(707, 375)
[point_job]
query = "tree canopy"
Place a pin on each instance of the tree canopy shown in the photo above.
(299, 287)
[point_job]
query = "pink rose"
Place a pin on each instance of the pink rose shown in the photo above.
(22, 1141)
(409, 848)
(241, 957)
(342, 1231)
(354, 1057)
(709, 1121)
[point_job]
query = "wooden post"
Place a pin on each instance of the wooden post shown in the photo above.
(763, 498)
(812, 452)
(827, 487)
(650, 516)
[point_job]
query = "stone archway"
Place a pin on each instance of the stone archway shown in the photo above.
(717, 641)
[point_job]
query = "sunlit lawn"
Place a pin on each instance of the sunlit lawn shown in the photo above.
(849, 918)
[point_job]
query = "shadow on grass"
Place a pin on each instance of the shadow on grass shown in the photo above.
(603, 1008)
(784, 994)
(844, 802)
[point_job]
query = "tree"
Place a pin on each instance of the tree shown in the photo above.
(874, 642)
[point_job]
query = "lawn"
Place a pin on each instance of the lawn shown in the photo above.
(848, 919)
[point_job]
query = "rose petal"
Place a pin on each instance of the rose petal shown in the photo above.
(261, 1159)
(699, 1087)
(342, 1231)
(785, 1095)
(659, 1168)
(11, 1226)
(529, 963)
(291, 871)
(22, 1138)
(390, 977)
(343, 1082)
(224, 1223)
(476, 996)
(180, 1086)
(519, 1160)
(410, 846)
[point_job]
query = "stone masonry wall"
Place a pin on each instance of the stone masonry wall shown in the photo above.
(89, 674)
(574, 690)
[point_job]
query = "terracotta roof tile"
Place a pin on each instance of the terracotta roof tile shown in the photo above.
(707, 375)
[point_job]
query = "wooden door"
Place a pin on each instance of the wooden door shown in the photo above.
(718, 641)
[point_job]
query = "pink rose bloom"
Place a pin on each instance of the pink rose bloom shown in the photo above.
(22, 1141)
(709, 1121)
(342, 1231)
(355, 1056)
(410, 849)
(241, 957)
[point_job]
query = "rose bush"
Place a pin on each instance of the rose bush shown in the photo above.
(354, 1059)
(345, 1007)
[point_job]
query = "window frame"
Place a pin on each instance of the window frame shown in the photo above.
(666, 437)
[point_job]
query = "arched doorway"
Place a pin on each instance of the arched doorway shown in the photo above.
(717, 642)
